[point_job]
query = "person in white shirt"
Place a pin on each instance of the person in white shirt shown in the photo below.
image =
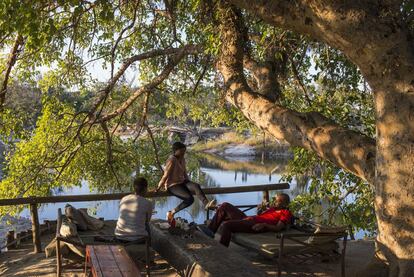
(134, 211)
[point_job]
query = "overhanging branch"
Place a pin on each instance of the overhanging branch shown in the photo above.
(188, 49)
(345, 148)
(14, 52)
(146, 88)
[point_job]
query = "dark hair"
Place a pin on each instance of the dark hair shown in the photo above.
(286, 198)
(178, 145)
(140, 184)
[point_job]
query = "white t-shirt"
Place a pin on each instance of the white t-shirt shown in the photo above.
(133, 210)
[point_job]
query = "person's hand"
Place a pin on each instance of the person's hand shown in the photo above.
(262, 207)
(158, 188)
(160, 185)
(259, 226)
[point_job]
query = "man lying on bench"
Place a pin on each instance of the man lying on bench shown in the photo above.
(233, 220)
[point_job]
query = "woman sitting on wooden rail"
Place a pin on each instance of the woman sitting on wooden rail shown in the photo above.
(176, 181)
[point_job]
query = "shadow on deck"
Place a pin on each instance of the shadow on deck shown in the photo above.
(23, 262)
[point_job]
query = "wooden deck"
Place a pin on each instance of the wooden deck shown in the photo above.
(23, 262)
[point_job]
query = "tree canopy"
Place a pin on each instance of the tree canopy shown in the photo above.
(332, 78)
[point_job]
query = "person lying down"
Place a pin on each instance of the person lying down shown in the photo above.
(233, 220)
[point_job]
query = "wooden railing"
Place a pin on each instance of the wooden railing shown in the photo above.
(33, 202)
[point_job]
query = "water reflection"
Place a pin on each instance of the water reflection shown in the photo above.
(208, 169)
(211, 171)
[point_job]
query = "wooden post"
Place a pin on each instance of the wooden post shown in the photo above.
(266, 197)
(58, 259)
(23, 234)
(18, 239)
(343, 256)
(48, 226)
(58, 254)
(43, 228)
(37, 245)
(279, 260)
(10, 239)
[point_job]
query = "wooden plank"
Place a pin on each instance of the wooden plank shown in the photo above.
(150, 194)
(205, 256)
(94, 262)
(111, 261)
(124, 261)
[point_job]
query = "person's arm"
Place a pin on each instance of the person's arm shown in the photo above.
(269, 227)
(262, 207)
(167, 171)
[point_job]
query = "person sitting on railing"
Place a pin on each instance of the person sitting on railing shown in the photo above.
(233, 220)
(134, 211)
(176, 181)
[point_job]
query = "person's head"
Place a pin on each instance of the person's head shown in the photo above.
(179, 149)
(140, 185)
(281, 201)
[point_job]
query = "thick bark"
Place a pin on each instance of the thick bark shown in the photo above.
(348, 149)
(370, 33)
(374, 37)
(394, 181)
(265, 76)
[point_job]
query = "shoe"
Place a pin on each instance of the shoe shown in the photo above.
(211, 205)
(205, 230)
(170, 216)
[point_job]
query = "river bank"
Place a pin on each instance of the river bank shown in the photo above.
(232, 144)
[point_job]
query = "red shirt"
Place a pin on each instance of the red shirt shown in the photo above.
(272, 216)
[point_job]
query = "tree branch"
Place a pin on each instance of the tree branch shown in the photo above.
(154, 145)
(140, 124)
(345, 148)
(146, 88)
(266, 77)
(150, 54)
(381, 46)
(14, 52)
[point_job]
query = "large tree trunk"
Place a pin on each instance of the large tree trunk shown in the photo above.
(372, 35)
(394, 181)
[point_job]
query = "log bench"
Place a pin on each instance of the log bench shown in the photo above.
(200, 255)
(109, 261)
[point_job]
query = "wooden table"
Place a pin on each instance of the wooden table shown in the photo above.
(110, 261)
(201, 255)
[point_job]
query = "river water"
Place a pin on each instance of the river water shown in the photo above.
(215, 171)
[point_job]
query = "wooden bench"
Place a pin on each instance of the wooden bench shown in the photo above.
(109, 261)
(83, 241)
(292, 243)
